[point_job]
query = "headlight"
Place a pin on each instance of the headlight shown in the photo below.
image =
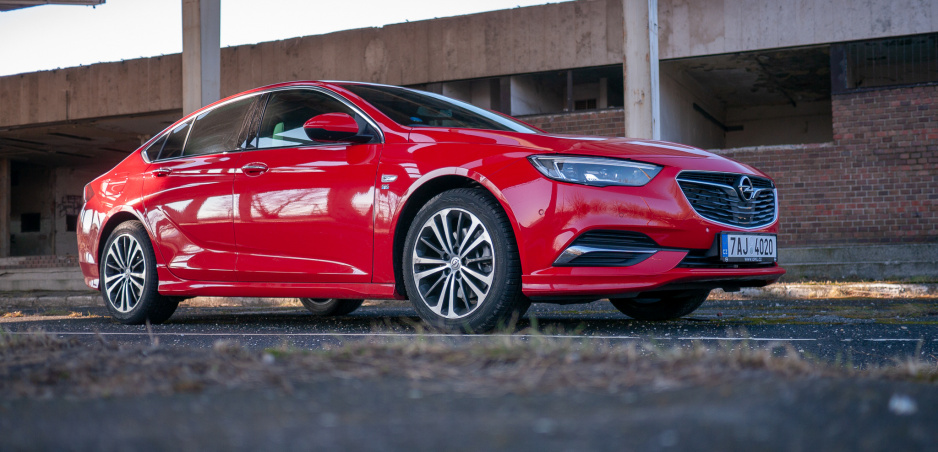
(596, 171)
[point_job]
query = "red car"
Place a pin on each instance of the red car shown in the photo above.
(339, 191)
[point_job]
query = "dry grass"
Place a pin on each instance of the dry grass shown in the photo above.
(37, 365)
(66, 313)
(13, 314)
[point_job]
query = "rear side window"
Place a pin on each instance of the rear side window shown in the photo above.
(217, 130)
(286, 113)
(174, 141)
(153, 151)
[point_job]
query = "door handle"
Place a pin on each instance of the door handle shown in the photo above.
(160, 172)
(254, 169)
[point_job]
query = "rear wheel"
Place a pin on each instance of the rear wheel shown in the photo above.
(128, 277)
(664, 305)
(461, 264)
(330, 306)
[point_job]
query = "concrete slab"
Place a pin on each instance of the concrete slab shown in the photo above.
(42, 279)
(877, 262)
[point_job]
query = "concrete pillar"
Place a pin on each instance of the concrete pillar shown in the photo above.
(5, 189)
(603, 101)
(201, 54)
(640, 67)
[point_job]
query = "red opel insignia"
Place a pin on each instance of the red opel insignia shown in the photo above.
(338, 191)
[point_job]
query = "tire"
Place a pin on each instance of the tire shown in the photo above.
(461, 266)
(128, 277)
(330, 307)
(664, 305)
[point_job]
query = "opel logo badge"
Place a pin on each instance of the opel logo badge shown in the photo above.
(746, 192)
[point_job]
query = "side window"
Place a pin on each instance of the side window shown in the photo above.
(154, 150)
(217, 130)
(174, 141)
(286, 113)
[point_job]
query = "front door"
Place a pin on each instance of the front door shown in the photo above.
(304, 209)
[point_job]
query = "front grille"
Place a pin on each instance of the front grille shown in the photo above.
(608, 248)
(715, 197)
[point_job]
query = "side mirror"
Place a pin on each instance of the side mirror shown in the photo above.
(334, 127)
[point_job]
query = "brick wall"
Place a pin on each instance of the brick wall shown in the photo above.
(610, 122)
(38, 262)
(876, 183)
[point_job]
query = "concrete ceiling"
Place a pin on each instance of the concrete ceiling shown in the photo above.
(17, 4)
(789, 76)
(92, 142)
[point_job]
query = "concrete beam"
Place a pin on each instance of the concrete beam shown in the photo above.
(557, 36)
(201, 53)
(640, 68)
(17, 4)
(711, 27)
(5, 188)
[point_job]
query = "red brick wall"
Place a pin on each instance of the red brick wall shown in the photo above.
(609, 123)
(877, 182)
(38, 262)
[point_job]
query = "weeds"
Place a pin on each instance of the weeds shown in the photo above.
(37, 364)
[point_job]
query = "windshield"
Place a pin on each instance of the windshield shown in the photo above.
(414, 108)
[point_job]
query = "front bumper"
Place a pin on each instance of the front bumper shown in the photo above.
(552, 215)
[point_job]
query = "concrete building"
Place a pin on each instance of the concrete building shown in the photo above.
(837, 100)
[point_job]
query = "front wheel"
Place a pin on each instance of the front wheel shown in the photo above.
(664, 305)
(128, 277)
(330, 306)
(461, 264)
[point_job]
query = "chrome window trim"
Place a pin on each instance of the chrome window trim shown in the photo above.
(191, 119)
(677, 179)
(326, 91)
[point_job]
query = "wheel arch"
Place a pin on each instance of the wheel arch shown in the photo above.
(112, 223)
(419, 197)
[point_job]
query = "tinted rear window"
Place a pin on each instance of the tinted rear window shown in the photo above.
(153, 151)
(176, 139)
(216, 130)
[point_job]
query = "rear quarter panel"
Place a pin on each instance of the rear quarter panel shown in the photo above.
(117, 197)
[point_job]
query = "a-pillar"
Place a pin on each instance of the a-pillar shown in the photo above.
(640, 69)
(5, 187)
(201, 56)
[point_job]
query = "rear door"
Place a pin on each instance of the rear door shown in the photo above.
(304, 209)
(189, 200)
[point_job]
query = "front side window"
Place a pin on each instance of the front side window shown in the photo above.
(217, 130)
(286, 113)
(413, 108)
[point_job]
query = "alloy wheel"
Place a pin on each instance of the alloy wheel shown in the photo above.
(124, 273)
(453, 263)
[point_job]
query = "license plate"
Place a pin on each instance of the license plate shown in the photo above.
(753, 248)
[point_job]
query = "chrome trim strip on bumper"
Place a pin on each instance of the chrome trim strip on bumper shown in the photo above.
(575, 251)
